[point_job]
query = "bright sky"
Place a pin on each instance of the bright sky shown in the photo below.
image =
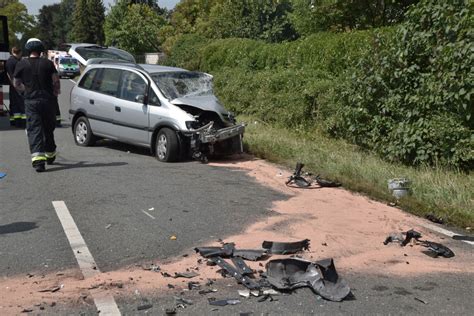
(33, 6)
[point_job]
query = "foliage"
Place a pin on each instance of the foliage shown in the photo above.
(134, 27)
(46, 26)
(88, 19)
(311, 16)
(411, 99)
(291, 84)
(266, 20)
(19, 21)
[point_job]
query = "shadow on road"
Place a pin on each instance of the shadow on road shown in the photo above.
(17, 227)
(83, 164)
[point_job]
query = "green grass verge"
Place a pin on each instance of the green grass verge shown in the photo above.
(447, 194)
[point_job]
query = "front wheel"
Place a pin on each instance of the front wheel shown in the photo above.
(167, 146)
(83, 133)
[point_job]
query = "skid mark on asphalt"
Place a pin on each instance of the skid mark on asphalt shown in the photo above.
(105, 303)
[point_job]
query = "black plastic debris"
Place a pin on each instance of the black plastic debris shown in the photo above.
(411, 234)
(249, 254)
(284, 248)
(193, 286)
(207, 291)
(241, 266)
(434, 218)
(223, 302)
(296, 177)
(320, 276)
(182, 300)
(187, 275)
(170, 311)
(326, 183)
(461, 237)
(245, 280)
(225, 251)
(434, 249)
(144, 307)
(437, 249)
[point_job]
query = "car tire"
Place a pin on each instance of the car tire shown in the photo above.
(83, 135)
(167, 145)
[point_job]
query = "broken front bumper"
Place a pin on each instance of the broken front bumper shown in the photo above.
(209, 135)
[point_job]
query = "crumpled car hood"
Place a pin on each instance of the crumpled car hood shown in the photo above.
(205, 103)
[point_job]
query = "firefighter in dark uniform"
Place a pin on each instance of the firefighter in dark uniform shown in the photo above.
(17, 106)
(37, 79)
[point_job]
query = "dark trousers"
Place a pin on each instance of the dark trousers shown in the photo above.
(40, 125)
(17, 106)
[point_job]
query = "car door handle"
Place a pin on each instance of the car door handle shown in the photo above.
(118, 109)
(91, 101)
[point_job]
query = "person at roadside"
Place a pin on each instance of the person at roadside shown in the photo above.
(17, 106)
(37, 79)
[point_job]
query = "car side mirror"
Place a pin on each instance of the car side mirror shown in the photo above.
(140, 98)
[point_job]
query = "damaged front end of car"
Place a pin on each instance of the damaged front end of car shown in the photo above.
(213, 130)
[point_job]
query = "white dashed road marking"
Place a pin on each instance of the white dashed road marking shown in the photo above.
(445, 232)
(105, 303)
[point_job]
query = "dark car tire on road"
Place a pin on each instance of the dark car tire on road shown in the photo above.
(83, 135)
(167, 145)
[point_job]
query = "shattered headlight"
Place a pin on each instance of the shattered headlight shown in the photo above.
(192, 125)
(230, 117)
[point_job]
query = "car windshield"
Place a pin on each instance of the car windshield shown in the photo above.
(88, 52)
(183, 84)
(68, 61)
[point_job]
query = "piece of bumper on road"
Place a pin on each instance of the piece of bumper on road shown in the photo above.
(320, 276)
(284, 248)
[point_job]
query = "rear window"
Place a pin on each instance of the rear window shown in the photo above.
(68, 61)
(88, 52)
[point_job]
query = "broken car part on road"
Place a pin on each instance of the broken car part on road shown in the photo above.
(320, 276)
(281, 274)
(285, 248)
(297, 179)
(434, 249)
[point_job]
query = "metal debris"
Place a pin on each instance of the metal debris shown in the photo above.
(181, 300)
(284, 248)
(193, 286)
(244, 293)
(434, 249)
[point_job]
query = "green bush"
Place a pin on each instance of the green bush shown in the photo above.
(411, 97)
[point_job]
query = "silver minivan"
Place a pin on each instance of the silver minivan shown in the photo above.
(172, 111)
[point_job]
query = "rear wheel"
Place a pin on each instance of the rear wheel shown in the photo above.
(83, 135)
(167, 145)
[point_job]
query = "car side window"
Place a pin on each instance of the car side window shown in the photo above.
(153, 98)
(88, 79)
(132, 85)
(109, 82)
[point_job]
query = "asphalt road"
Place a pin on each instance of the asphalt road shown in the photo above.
(106, 189)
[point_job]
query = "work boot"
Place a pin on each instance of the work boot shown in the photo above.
(39, 166)
(51, 160)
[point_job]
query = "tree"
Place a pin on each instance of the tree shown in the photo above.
(310, 16)
(266, 20)
(63, 23)
(411, 97)
(134, 27)
(46, 25)
(88, 20)
(19, 21)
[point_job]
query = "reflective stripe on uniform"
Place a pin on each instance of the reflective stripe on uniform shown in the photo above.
(50, 155)
(23, 116)
(38, 158)
(16, 116)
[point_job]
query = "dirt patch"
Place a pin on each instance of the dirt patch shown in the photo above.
(345, 226)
